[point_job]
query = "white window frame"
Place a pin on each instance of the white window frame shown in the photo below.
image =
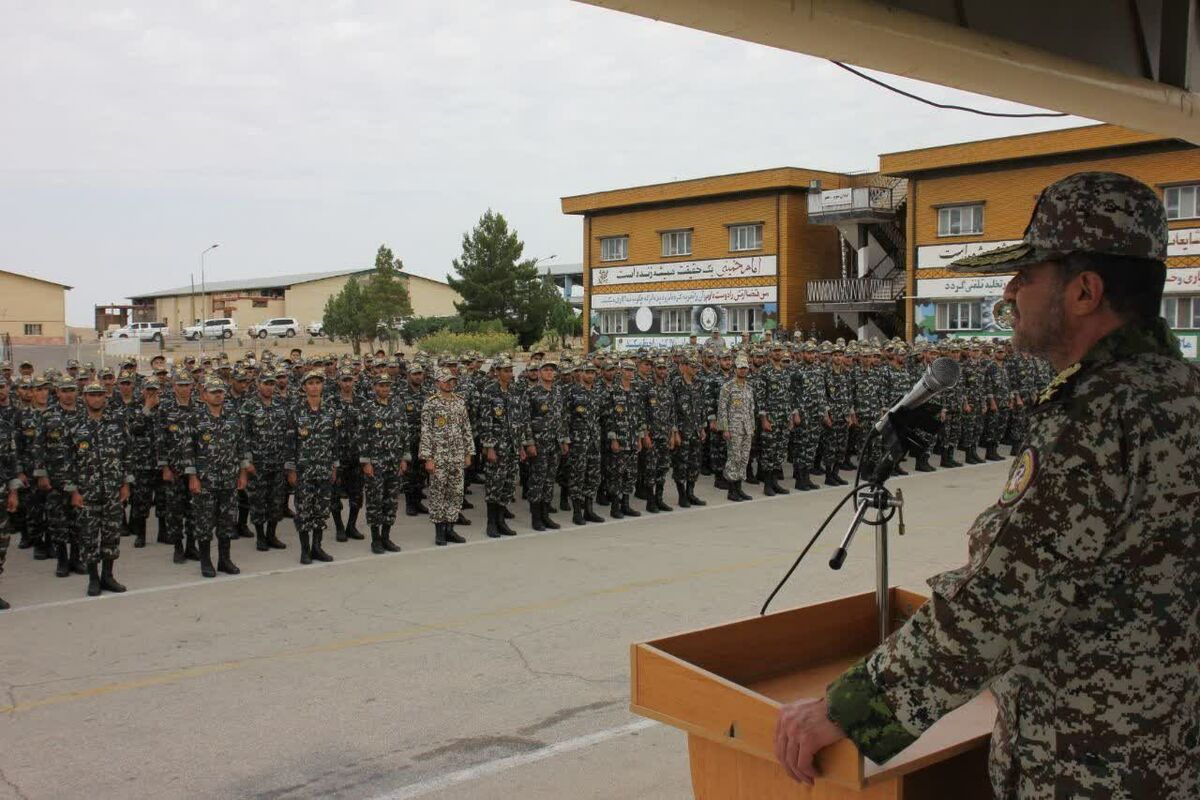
(1182, 312)
(614, 321)
(745, 237)
(677, 243)
(948, 315)
(675, 320)
(614, 248)
(952, 220)
(743, 319)
(1182, 202)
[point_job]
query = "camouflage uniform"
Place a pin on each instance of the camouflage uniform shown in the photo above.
(776, 404)
(216, 453)
(841, 404)
(1078, 606)
(311, 452)
(548, 423)
(349, 479)
(97, 464)
(584, 410)
(411, 399)
(143, 426)
(735, 415)
(447, 441)
(504, 427)
(623, 424)
(175, 430)
(52, 463)
(659, 410)
(264, 425)
(8, 483)
(383, 443)
(691, 422)
(31, 513)
(717, 446)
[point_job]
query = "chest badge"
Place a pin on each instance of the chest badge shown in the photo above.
(84, 445)
(440, 422)
(303, 432)
(1024, 470)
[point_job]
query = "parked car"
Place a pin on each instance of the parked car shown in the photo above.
(217, 328)
(146, 331)
(316, 328)
(279, 326)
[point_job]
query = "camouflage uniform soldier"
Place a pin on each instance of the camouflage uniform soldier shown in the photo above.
(953, 402)
(350, 479)
(310, 462)
(663, 432)
(841, 417)
(1078, 605)
(735, 420)
(625, 430)
(717, 447)
(691, 423)
(142, 422)
(999, 399)
(383, 452)
(264, 420)
(215, 459)
(447, 446)
(504, 435)
(974, 393)
(776, 413)
(174, 433)
(32, 507)
(585, 406)
(411, 398)
(98, 477)
(8, 482)
(551, 437)
(53, 456)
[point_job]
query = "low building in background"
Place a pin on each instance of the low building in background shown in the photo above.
(32, 310)
(254, 300)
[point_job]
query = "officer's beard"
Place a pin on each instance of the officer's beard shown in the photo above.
(1042, 332)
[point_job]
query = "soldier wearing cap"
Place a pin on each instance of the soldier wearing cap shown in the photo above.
(1088, 560)
(264, 418)
(143, 423)
(347, 411)
(384, 457)
(777, 411)
(51, 473)
(662, 434)
(507, 440)
(412, 399)
(446, 449)
(548, 423)
(31, 513)
(691, 423)
(585, 406)
(624, 426)
(311, 464)
(736, 421)
(10, 484)
(176, 420)
(717, 447)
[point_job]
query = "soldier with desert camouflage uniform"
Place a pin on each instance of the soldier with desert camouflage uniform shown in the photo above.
(735, 420)
(1079, 605)
(447, 447)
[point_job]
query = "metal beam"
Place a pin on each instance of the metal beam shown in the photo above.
(1174, 44)
(876, 36)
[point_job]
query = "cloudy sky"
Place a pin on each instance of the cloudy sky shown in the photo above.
(302, 134)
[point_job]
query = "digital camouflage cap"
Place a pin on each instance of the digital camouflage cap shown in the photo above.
(1088, 212)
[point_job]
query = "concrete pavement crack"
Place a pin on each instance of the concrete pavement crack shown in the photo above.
(549, 674)
(4, 779)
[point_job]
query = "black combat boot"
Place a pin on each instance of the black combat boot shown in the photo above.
(273, 540)
(224, 562)
(452, 535)
(260, 538)
(139, 538)
(923, 464)
(751, 476)
(505, 513)
(658, 497)
(1013, 450)
(206, 565)
(603, 496)
(318, 552)
(41, 549)
(502, 517)
(651, 501)
(992, 453)
(589, 512)
(639, 490)
(627, 509)
(385, 538)
(189, 549)
(93, 572)
(339, 527)
(544, 508)
(733, 494)
(719, 482)
(377, 541)
(439, 536)
(179, 557)
(467, 504)
(493, 513)
(973, 456)
(564, 500)
(26, 541)
(948, 459)
(535, 516)
(833, 479)
(3, 605)
(164, 536)
(107, 582)
(305, 550)
(76, 565)
(410, 504)
(681, 492)
(769, 485)
(577, 516)
(691, 495)
(804, 482)
(242, 529)
(287, 511)
(462, 520)
(63, 569)
(614, 510)
(742, 492)
(352, 531)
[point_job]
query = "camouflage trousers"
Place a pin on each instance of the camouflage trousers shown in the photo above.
(622, 478)
(313, 495)
(737, 455)
(658, 460)
(685, 459)
(995, 426)
(774, 443)
(349, 485)
(951, 432)
(717, 451)
(30, 518)
(141, 494)
(414, 480)
(1018, 425)
(214, 514)
(6, 528)
(972, 429)
(176, 508)
(562, 476)
(806, 438)
(60, 516)
(383, 494)
(446, 492)
(855, 437)
(500, 476)
(583, 469)
(266, 490)
(543, 468)
(99, 530)
(837, 439)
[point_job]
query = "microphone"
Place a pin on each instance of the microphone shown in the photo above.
(942, 374)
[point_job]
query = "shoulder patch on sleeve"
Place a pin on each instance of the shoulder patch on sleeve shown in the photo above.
(1024, 470)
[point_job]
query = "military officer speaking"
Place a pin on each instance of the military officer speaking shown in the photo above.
(1079, 604)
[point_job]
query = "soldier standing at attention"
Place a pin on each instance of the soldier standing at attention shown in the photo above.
(9, 484)
(776, 413)
(663, 434)
(717, 446)
(691, 424)
(51, 477)
(505, 437)
(311, 465)
(1079, 605)
(175, 431)
(447, 446)
(625, 430)
(585, 406)
(735, 420)
(264, 420)
(143, 424)
(215, 460)
(350, 485)
(32, 508)
(98, 478)
(551, 438)
(384, 456)
(841, 416)
(411, 399)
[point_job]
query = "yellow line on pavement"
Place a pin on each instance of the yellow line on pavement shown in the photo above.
(407, 632)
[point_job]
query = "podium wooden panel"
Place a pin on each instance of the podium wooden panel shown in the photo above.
(724, 687)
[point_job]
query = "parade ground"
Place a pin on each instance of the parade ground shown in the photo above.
(494, 669)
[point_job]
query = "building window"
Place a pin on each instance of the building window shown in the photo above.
(743, 319)
(614, 248)
(616, 321)
(677, 243)
(960, 220)
(958, 316)
(1182, 313)
(675, 320)
(745, 237)
(260, 304)
(1181, 201)
(34, 329)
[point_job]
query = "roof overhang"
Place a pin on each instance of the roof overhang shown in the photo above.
(1135, 63)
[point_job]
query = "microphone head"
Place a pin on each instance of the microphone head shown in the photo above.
(943, 373)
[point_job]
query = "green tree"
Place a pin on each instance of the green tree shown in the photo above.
(497, 284)
(562, 322)
(386, 294)
(348, 316)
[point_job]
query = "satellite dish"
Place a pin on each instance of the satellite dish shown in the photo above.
(644, 319)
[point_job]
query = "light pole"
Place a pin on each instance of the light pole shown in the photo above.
(545, 278)
(203, 285)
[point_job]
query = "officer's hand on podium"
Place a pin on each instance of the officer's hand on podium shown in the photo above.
(804, 729)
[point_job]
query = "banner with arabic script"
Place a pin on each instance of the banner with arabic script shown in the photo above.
(939, 255)
(685, 297)
(716, 268)
(1184, 280)
(984, 286)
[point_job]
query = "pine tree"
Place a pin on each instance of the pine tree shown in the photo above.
(386, 294)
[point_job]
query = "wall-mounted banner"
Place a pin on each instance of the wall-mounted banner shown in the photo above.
(1183, 242)
(637, 342)
(1183, 281)
(737, 295)
(983, 286)
(939, 255)
(714, 269)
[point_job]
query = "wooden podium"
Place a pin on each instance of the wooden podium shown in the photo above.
(724, 687)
